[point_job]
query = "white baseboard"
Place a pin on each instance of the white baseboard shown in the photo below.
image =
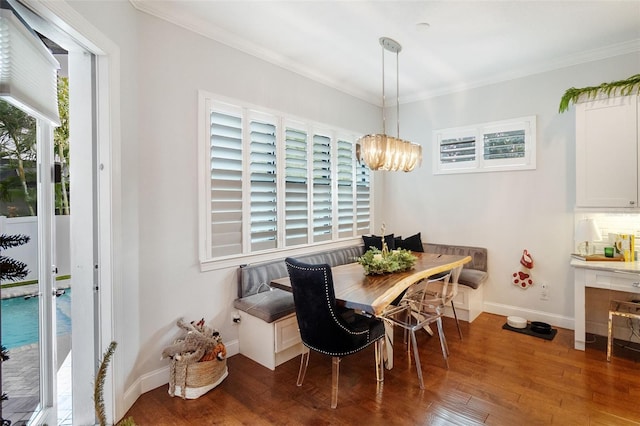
(160, 377)
(529, 314)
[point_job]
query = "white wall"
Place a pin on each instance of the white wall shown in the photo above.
(163, 67)
(506, 212)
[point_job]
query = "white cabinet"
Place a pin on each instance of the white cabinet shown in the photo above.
(607, 153)
(269, 344)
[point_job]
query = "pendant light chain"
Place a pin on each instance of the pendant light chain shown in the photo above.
(384, 129)
(398, 92)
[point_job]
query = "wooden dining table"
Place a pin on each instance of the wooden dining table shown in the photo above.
(372, 294)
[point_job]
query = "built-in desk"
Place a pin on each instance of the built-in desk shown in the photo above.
(616, 276)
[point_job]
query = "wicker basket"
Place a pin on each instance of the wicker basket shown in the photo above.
(191, 381)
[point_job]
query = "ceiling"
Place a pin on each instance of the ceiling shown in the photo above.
(447, 46)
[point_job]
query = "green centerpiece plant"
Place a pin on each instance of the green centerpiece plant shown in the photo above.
(377, 262)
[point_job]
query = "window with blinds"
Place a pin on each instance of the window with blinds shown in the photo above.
(456, 150)
(262, 172)
(296, 187)
(363, 199)
(496, 146)
(225, 147)
(273, 182)
(499, 145)
(322, 201)
(346, 190)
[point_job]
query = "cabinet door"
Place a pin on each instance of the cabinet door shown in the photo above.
(607, 153)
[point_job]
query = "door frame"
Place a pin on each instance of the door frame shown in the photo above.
(106, 132)
(47, 272)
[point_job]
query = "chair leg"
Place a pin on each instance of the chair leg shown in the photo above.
(335, 371)
(456, 317)
(609, 336)
(416, 355)
(388, 345)
(443, 342)
(304, 361)
(379, 354)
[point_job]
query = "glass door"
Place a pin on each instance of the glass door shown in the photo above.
(28, 295)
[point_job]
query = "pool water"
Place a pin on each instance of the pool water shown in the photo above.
(20, 319)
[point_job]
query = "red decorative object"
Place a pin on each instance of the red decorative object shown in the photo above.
(523, 277)
(526, 260)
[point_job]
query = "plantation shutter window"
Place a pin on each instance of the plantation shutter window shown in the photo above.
(456, 150)
(272, 183)
(496, 146)
(322, 202)
(262, 171)
(504, 145)
(296, 187)
(226, 183)
(345, 177)
(363, 199)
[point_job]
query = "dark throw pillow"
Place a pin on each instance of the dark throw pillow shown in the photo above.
(413, 243)
(397, 242)
(376, 241)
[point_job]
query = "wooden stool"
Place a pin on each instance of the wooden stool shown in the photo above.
(622, 309)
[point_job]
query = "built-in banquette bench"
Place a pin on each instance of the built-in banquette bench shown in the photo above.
(268, 332)
(268, 329)
(470, 299)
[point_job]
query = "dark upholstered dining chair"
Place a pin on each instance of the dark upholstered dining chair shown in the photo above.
(326, 327)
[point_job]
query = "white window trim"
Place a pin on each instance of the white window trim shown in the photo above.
(479, 165)
(206, 260)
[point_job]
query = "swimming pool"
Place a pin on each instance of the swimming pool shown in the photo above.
(20, 319)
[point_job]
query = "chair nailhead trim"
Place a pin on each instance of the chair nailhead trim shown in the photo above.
(333, 315)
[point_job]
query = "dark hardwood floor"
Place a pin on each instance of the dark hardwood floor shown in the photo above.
(496, 377)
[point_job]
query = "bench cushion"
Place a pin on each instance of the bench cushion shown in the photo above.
(473, 273)
(472, 277)
(267, 305)
(257, 298)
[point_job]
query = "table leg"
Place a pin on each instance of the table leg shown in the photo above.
(609, 335)
(579, 308)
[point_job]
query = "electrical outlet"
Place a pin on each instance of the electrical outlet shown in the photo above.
(544, 291)
(235, 317)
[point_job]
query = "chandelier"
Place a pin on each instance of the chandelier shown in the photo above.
(383, 152)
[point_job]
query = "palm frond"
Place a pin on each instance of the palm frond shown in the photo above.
(98, 387)
(621, 87)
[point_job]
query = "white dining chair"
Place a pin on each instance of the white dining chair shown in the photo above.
(417, 310)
